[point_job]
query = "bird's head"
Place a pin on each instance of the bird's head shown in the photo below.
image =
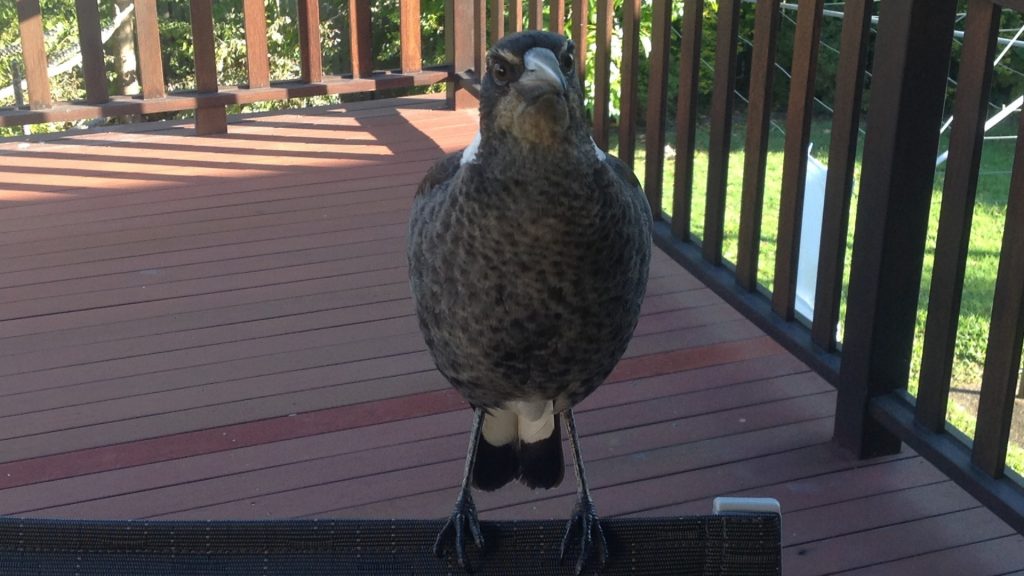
(530, 90)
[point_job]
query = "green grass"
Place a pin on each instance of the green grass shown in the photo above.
(985, 245)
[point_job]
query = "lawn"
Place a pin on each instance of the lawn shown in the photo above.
(979, 283)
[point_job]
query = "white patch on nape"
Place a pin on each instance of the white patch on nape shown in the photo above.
(469, 154)
(598, 152)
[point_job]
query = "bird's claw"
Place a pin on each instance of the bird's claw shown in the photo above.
(591, 535)
(463, 515)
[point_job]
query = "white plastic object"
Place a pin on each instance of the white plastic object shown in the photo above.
(732, 505)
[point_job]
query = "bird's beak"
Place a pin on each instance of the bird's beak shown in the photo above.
(541, 77)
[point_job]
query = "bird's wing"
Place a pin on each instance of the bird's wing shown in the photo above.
(628, 180)
(619, 168)
(442, 171)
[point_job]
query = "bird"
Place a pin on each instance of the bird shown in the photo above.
(528, 255)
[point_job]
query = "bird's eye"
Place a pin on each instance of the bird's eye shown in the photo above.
(501, 73)
(566, 62)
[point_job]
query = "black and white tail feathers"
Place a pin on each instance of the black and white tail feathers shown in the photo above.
(537, 464)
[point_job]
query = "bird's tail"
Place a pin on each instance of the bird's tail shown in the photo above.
(514, 448)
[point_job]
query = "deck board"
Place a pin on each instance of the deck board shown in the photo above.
(221, 327)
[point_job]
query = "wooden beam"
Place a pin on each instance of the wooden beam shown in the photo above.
(908, 91)
(360, 38)
(310, 57)
(412, 36)
(459, 16)
(90, 41)
(256, 57)
(212, 119)
(147, 32)
(33, 50)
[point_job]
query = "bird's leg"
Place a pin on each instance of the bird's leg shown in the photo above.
(464, 513)
(584, 515)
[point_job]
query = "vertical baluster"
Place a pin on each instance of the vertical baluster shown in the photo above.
(256, 57)
(721, 129)
(954, 234)
(459, 47)
(557, 24)
(579, 35)
(310, 58)
(759, 115)
(657, 94)
(602, 72)
(515, 14)
(147, 32)
(839, 182)
(479, 36)
(630, 67)
(360, 38)
(90, 42)
(536, 14)
(1006, 333)
(794, 163)
(686, 117)
(497, 19)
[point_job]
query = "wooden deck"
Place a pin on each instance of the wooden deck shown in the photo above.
(220, 327)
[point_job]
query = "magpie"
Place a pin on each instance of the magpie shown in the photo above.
(528, 254)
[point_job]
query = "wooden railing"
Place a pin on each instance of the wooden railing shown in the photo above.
(875, 414)
(209, 99)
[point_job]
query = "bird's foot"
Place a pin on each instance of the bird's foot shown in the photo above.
(464, 515)
(584, 518)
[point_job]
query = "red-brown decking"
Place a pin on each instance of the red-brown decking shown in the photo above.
(220, 327)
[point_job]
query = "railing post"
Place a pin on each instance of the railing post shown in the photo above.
(359, 38)
(151, 67)
(412, 59)
(256, 57)
(459, 48)
(309, 41)
(908, 90)
(91, 43)
(209, 119)
(30, 23)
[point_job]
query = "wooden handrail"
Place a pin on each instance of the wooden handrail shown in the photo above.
(209, 98)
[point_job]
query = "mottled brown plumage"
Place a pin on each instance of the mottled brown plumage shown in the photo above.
(528, 260)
